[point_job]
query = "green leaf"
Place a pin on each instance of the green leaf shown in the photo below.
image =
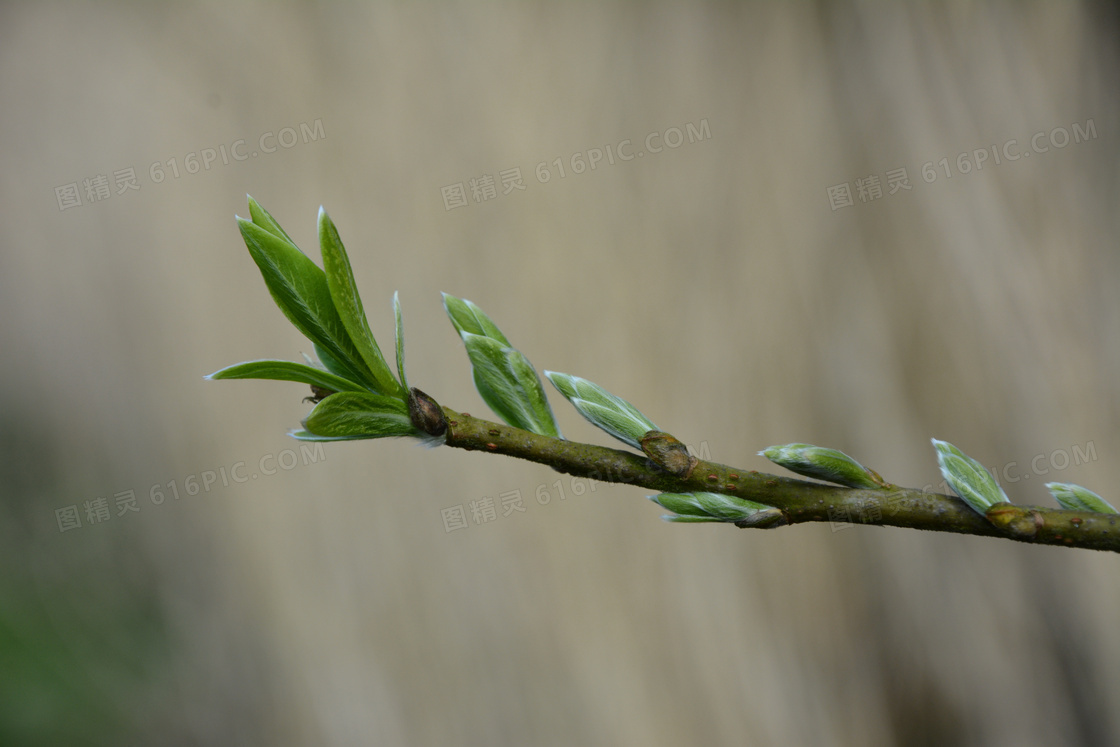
(968, 478)
(823, 464)
(613, 414)
(1077, 498)
(262, 218)
(287, 371)
(300, 289)
(469, 318)
(400, 339)
(304, 435)
(348, 304)
(360, 415)
(332, 364)
(703, 506)
(509, 385)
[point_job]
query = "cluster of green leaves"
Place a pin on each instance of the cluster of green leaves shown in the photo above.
(359, 396)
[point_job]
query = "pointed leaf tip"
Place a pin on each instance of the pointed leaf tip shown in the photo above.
(287, 371)
(398, 317)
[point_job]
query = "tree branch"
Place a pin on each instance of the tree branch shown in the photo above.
(357, 396)
(798, 500)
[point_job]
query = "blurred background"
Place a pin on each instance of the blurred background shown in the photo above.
(848, 223)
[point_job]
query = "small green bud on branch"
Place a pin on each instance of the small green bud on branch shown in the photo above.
(602, 409)
(823, 464)
(968, 478)
(710, 507)
(1077, 498)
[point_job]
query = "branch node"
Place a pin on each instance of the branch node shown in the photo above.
(1017, 521)
(425, 413)
(668, 453)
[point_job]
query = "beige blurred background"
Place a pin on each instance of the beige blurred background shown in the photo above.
(719, 285)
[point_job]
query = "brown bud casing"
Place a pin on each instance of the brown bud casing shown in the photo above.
(318, 394)
(667, 453)
(425, 413)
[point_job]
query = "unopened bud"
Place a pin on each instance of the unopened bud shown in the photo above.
(425, 413)
(667, 453)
